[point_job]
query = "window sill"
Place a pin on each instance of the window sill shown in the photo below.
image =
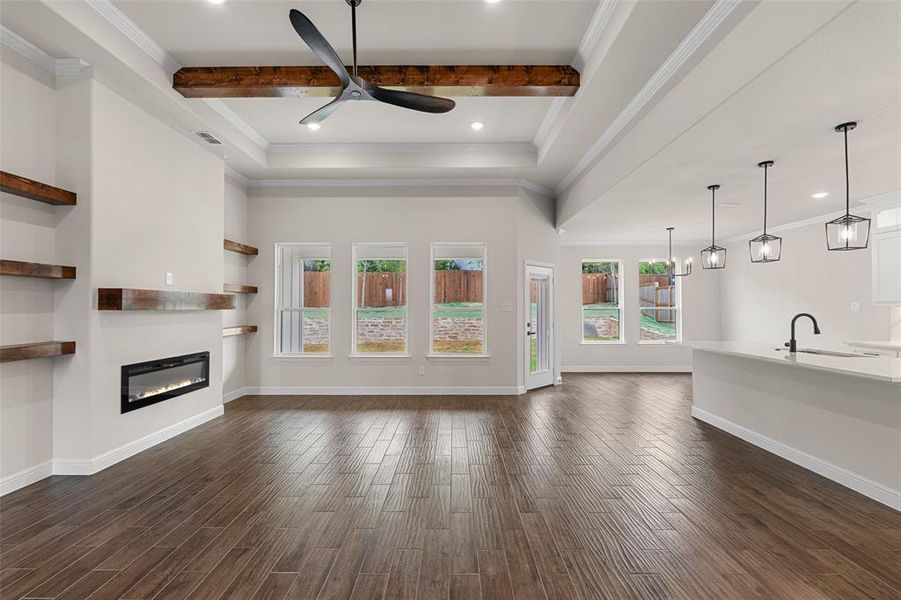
(379, 356)
(617, 343)
(433, 356)
(661, 345)
(302, 356)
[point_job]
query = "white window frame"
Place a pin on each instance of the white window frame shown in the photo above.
(277, 330)
(619, 306)
(677, 306)
(484, 353)
(353, 287)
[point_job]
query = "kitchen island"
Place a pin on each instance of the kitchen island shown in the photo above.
(839, 416)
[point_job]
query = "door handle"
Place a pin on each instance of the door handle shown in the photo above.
(529, 331)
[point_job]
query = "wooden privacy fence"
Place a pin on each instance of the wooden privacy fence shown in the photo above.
(450, 286)
(382, 289)
(458, 286)
(598, 288)
(660, 297)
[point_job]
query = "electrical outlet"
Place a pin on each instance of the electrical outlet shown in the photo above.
(169, 278)
(855, 307)
(422, 370)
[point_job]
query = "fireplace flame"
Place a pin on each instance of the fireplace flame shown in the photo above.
(147, 393)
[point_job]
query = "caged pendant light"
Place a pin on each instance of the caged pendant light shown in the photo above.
(713, 256)
(848, 232)
(765, 247)
(671, 262)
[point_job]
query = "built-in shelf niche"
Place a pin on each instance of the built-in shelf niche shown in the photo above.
(18, 268)
(238, 330)
(35, 190)
(237, 288)
(136, 299)
(240, 248)
(35, 350)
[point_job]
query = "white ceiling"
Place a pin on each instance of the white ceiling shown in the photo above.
(675, 95)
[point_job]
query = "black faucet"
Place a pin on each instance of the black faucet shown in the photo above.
(792, 343)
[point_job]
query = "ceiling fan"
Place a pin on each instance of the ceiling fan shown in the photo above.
(354, 87)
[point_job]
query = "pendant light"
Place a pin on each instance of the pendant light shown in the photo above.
(713, 256)
(671, 262)
(848, 232)
(765, 247)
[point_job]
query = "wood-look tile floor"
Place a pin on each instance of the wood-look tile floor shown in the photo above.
(602, 488)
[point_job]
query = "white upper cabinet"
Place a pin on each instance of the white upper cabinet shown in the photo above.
(886, 241)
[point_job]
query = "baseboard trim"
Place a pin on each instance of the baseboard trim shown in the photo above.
(626, 369)
(869, 488)
(380, 391)
(108, 459)
(234, 395)
(25, 477)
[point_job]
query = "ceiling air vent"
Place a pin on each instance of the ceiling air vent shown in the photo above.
(208, 137)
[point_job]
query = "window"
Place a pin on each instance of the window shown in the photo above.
(380, 299)
(303, 309)
(658, 295)
(602, 321)
(458, 324)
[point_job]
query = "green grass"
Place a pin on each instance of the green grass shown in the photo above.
(650, 324)
(533, 354)
(388, 312)
(315, 313)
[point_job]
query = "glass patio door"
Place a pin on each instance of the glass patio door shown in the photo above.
(539, 329)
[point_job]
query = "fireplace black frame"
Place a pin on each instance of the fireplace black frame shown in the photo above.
(157, 365)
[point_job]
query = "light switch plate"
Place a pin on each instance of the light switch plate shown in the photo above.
(169, 279)
(506, 307)
(855, 307)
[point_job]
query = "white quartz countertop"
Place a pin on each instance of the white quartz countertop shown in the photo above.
(893, 346)
(882, 368)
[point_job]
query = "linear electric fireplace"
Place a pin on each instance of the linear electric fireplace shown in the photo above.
(153, 381)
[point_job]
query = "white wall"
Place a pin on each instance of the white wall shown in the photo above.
(27, 232)
(759, 300)
(234, 348)
(413, 215)
(700, 311)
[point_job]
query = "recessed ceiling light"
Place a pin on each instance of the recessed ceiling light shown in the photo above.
(216, 1)
(477, 125)
(728, 204)
(492, 1)
(819, 195)
(314, 126)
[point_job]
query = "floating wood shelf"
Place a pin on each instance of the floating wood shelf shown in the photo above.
(237, 288)
(132, 299)
(239, 330)
(240, 248)
(35, 190)
(32, 269)
(35, 350)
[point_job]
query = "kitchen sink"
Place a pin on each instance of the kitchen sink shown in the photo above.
(828, 353)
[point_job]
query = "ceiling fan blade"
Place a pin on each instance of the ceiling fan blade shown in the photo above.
(412, 100)
(320, 114)
(318, 44)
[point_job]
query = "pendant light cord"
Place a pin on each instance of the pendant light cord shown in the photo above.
(713, 218)
(766, 168)
(353, 25)
(847, 176)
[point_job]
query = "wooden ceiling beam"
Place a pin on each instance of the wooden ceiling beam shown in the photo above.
(439, 80)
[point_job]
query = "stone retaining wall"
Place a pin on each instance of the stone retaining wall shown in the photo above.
(316, 331)
(381, 329)
(446, 329)
(600, 327)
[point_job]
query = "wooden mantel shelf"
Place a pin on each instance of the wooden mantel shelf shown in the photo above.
(237, 288)
(35, 190)
(35, 350)
(239, 330)
(240, 248)
(133, 299)
(33, 269)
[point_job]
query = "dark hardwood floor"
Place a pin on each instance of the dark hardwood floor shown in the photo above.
(602, 488)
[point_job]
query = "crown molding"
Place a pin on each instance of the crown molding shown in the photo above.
(402, 183)
(238, 178)
(401, 148)
(54, 66)
(629, 243)
(708, 24)
(548, 121)
(592, 35)
(14, 41)
(135, 34)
